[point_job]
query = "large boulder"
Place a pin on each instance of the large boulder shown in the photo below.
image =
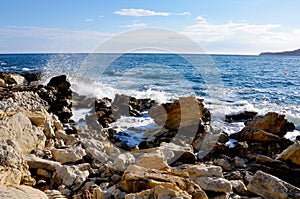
(271, 123)
(68, 155)
(21, 191)
(254, 135)
(19, 128)
(292, 153)
(269, 186)
(187, 111)
(136, 179)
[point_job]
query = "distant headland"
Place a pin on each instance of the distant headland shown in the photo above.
(285, 53)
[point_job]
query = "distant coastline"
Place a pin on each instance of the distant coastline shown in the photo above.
(284, 53)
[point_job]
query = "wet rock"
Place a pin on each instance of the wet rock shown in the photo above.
(25, 192)
(19, 128)
(187, 111)
(215, 184)
(271, 123)
(292, 153)
(269, 186)
(244, 116)
(58, 95)
(68, 155)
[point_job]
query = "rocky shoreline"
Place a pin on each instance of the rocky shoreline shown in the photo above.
(45, 154)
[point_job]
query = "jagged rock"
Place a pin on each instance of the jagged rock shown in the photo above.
(15, 79)
(54, 194)
(10, 176)
(70, 155)
(239, 187)
(269, 186)
(25, 192)
(253, 134)
(2, 83)
(29, 101)
(240, 162)
(271, 123)
(201, 170)
(292, 153)
(223, 162)
(160, 192)
(39, 163)
(240, 116)
(153, 161)
(19, 128)
(215, 184)
(38, 118)
(44, 173)
(136, 179)
(69, 140)
(187, 111)
(123, 160)
(13, 169)
(70, 176)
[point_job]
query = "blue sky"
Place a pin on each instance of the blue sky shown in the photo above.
(218, 26)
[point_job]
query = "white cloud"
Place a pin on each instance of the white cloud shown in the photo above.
(88, 20)
(243, 36)
(135, 25)
(184, 14)
(140, 13)
(200, 19)
(37, 39)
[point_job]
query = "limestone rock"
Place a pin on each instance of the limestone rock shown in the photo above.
(54, 194)
(19, 128)
(2, 83)
(70, 176)
(10, 176)
(123, 160)
(269, 186)
(215, 184)
(39, 163)
(38, 118)
(292, 153)
(239, 187)
(15, 79)
(159, 192)
(201, 170)
(271, 123)
(254, 134)
(25, 192)
(185, 111)
(136, 179)
(153, 161)
(72, 154)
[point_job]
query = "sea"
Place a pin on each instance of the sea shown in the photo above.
(229, 84)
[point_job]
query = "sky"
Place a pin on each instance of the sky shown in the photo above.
(217, 26)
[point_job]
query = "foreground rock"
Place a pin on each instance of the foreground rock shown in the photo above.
(20, 129)
(269, 186)
(21, 191)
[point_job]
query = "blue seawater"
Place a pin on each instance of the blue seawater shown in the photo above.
(228, 83)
